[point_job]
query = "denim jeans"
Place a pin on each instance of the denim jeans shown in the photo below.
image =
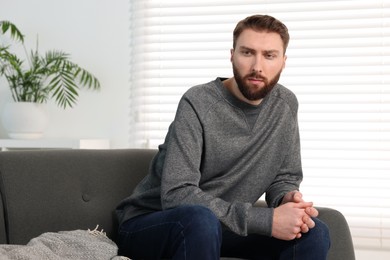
(194, 232)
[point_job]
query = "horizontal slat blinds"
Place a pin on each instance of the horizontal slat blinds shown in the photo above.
(338, 65)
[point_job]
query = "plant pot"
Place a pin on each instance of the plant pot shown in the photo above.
(24, 120)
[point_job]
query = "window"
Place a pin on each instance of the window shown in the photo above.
(338, 66)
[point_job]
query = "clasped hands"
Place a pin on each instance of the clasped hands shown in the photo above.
(293, 217)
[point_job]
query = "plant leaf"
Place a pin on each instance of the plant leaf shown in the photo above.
(14, 31)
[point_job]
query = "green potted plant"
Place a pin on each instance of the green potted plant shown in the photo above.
(38, 78)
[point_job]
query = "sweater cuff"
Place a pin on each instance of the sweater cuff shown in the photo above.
(260, 220)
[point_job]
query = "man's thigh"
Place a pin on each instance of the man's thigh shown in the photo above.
(149, 235)
(172, 233)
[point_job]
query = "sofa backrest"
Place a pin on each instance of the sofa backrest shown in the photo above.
(57, 190)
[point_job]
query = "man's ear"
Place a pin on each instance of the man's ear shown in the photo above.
(231, 55)
(284, 62)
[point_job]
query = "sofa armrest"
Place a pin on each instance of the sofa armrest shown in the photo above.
(340, 235)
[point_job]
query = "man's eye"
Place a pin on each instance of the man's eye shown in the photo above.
(270, 56)
(246, 53)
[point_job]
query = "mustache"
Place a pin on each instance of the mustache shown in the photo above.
(256, 75)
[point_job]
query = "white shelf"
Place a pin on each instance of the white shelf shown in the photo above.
(6, 144)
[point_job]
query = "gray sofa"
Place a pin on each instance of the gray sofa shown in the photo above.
(59, 190)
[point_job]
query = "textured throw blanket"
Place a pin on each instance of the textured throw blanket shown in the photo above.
(65, 245)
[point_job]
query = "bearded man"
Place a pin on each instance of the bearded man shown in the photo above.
(231, 141)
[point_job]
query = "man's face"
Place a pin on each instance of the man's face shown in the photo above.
(258, 60)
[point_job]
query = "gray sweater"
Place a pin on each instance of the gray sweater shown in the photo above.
(214, 156)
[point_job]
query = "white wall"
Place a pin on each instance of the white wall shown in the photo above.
(95, 34)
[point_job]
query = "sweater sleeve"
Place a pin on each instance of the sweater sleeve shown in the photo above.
(290, 174)
(181, 176)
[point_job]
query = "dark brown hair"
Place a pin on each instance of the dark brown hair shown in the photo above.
(262, 23)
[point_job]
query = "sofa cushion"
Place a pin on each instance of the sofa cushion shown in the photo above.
(59, 190)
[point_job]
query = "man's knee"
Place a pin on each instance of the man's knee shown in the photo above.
(201, 222)
(320, 234)
(322, 229)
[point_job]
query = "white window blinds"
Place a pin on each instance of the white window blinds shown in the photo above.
(338, 65)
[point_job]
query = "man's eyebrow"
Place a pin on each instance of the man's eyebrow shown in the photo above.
(271, 51)
(246, 48)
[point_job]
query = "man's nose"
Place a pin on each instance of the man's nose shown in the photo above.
(257, 64)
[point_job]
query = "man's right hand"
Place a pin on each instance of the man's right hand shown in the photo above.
(289, 220)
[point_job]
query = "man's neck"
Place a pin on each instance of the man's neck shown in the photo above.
(231, 85)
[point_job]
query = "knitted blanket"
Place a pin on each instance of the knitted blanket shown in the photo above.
(64, 245)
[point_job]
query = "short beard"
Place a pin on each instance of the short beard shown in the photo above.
(247, 91)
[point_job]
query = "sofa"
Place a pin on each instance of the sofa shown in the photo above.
(59, 190)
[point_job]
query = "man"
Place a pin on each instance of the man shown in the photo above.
(231, 141)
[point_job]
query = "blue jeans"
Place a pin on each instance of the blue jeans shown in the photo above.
(194, 232)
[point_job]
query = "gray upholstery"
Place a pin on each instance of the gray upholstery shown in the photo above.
(66, 189)
(54, 190)
(342, 246)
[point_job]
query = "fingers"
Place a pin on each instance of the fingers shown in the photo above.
(303, 205)
(297, 196)
(308, 223)
(304, 228)
(307, 213)
(292, 196)
(293, 219)
(313, 212)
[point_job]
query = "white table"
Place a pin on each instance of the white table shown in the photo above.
(6, 144)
